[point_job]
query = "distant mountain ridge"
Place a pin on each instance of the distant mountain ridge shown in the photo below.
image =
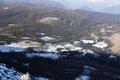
(112, 9)
(48, 3)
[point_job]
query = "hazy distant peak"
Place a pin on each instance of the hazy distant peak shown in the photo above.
(95, 5)
(48, 3)
(107, 6)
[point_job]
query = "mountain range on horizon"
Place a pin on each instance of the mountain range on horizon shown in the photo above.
(105, 7)
(48, 3)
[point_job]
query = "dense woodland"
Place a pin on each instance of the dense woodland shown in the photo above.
(99, 66)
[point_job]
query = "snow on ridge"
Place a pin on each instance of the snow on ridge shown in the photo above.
(60, 47)
(112, 57)
(45, 55)
(41, 78)
(24, 44)
(4, 48)
(11, 74)
(89, 67)
(83, 77)
(8, 74)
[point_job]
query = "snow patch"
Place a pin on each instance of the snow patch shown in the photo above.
(4, 48)
(47, 38)
(63, 47)
(45, 55)
(41, 78)
(88, 41)
(25, 77)
(24, 44)
(100, 45)
(83, 77)
(112, 57)
(8, 74)
(5, 8)
(49, 20)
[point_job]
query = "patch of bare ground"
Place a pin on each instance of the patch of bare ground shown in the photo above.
(1, 29)
(115, 40)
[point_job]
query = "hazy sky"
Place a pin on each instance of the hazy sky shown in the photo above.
(90, 3)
